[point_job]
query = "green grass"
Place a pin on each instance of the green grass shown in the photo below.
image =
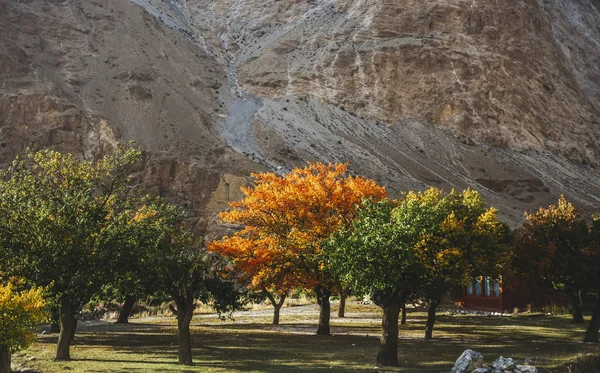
(250, 344)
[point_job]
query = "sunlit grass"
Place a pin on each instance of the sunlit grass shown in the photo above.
(251, 344)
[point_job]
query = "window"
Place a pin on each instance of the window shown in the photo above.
(486, 287)
(470, 288)
(496, 288)
(478, 287)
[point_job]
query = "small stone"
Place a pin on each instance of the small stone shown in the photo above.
(482, 370)
(526, 369)
(503, 363)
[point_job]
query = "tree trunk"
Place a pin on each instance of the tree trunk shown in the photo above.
(4, 360)
(126, 310)
(55, 320)
(388, 350)
(591, 334)
(403, 307)
(342, 308)
(575, 308)
(68, 325)
(431, 318)
(276, 305)
(185, 311)
(276, 310)
(324, 309)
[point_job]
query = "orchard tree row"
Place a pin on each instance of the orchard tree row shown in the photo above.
(319, 228)
(70, 229)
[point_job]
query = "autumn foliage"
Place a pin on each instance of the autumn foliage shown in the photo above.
(284, 219)
(20, 312)
(553, 251)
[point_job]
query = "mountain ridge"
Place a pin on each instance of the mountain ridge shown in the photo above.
(215, 90)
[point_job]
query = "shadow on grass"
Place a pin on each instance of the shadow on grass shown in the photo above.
(247, 347)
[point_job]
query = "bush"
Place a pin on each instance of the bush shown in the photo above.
(20, 312)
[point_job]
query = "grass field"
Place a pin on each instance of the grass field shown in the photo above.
(250, 344)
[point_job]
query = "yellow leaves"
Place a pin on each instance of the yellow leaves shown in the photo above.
(452, 224)
(455, 234)
(143, 213)
(563, 213)
(19, 312)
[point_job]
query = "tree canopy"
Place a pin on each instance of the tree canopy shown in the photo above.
(418, 246)
(373, 256)
(455, 237)
(552, 251)
(284, 220)
(63, 223)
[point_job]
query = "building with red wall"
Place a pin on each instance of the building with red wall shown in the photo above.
(486, 294)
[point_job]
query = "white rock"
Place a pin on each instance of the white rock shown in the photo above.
(526, 369)
(502, 363)
(468, 361)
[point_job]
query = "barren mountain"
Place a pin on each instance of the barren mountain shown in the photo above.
(499, 95)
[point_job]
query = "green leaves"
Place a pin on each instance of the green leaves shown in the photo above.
(422, 244)
(64, 220)
(373, 253)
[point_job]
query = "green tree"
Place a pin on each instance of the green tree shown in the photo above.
(185, 271)
(374, 256)
(147, 227)
(63, 223)
(20, 311)
(551, 252)
(454, 237)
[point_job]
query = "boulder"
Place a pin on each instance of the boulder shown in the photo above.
(503, 363)
(525, 369)
(468, 361)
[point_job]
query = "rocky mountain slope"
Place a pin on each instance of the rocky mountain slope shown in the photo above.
(499, 95)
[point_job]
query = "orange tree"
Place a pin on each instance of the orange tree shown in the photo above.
(455, 237)
(551, 251)
(260, 267)
(286, 218)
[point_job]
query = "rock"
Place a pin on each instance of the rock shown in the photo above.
(526, 369)
(475, 85)
(502, 363)
(468, 361)
(482, 370)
